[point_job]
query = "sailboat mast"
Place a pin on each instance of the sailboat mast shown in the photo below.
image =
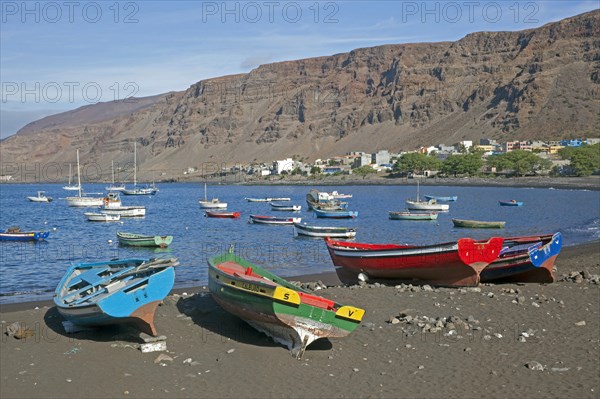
(205, 197)
(135, 164)
(112, 167)
(70, 173)
(78, 175)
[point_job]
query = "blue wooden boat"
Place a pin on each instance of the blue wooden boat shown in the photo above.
(511, 203)
(15, 234)
(335, 214)
(116, 291)
(441, 199)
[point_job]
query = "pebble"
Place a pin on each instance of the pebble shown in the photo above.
(559, 369)
(421, 367)
(355, 370)
(231, 350)
(163, 358)
(533, 365)
(580, 323)
(467, 349)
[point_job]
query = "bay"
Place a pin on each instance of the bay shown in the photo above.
(31, 271)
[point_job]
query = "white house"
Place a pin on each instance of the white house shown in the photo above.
(287, 165)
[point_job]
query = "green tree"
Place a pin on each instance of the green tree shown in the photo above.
(583, 160)
(462, 164)
(415, 162)
(519, 161)
(315, 170)
(364, 171)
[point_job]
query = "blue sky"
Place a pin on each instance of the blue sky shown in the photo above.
(59, 55)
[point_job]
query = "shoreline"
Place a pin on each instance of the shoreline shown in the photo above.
(575, 183)
(328, 278)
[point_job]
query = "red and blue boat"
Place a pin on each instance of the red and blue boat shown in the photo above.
(457, 263)
(528, 259)
(511, 203)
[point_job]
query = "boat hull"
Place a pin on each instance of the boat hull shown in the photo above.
(100, 217)
(442, 199)
(275, 307)
(273, 220)
(426, 206)
(413, 216)
(138, 240)
(477, 224)
(223, 215)
(83, 202)
(341, 214)
(133, 301)
(319, 231)
(126, 211)
(449, 264)
(510, 203)
(24, 236)
(535, 264)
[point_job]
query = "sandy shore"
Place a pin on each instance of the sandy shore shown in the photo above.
(508, 341)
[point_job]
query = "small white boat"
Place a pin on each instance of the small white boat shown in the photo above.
(431, 205)
(267, 199)
(101, 217)
(125, 211)
(285, 207)
(70, 187)
(337, 195)
(40, 198)
(324, 231)
(212, 204)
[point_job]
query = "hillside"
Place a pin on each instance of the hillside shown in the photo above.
(541, 83)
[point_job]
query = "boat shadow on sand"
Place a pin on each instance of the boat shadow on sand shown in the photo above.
(125, 333)
(213, 319)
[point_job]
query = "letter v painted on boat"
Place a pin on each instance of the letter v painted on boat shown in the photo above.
(350, 313)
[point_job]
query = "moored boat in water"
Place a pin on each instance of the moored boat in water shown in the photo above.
(456, 263)
(478, 224)
(41, 197)
(452, 198)
(15, 234)
(140, 240)
(511, 203)
(116, 291)
(285, 207)
(260, 219)
(324, 231)
(222, 214)
(101, 217)
(413, 215)
(290, 315)
(335, 214)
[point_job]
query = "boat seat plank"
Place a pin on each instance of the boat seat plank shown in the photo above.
(98, 282)
(316, 301)
(91, 277)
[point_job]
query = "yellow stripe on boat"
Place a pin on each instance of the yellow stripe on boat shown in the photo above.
(351, 313)
(286, 295)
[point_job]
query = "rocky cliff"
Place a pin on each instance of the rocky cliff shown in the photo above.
(541, 83)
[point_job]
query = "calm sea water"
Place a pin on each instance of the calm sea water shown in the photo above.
(31, 271)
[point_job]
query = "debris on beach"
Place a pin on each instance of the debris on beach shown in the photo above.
(19, 331)
(580, 277)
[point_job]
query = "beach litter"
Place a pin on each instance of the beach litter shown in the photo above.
(19, 331)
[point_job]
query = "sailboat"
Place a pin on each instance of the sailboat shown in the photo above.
(80, 201)
(212, 204)
(69, 186)
(430, 205)
(112, 187)
(152, 190)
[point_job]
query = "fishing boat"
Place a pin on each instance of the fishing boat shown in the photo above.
(114, 292)
(222, 214)
(323, 231)
(70, 187)
(40, 197)
(267, 199)
(112, 201)
(273, 220)
(525, 260)
(441, 199)
(81, 201)
(288, 314)
(337, 195)
(285, 207)
(335, 214)
(212, 204)
(101, 217)
(457, 263)
(15, 234)
(429, 205)
(140, 240)
(511, 203)
(478, 224)
(413, 215)
(125, 211)
(148, 190)
(113, 186)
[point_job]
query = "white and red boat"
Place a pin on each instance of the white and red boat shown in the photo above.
(273, 220)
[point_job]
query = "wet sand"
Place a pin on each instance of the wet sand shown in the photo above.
(510, 340)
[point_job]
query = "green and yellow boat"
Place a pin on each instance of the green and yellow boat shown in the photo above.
(139, 240)
(290, 315)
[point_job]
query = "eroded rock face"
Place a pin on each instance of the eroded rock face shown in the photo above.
(541, 83)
